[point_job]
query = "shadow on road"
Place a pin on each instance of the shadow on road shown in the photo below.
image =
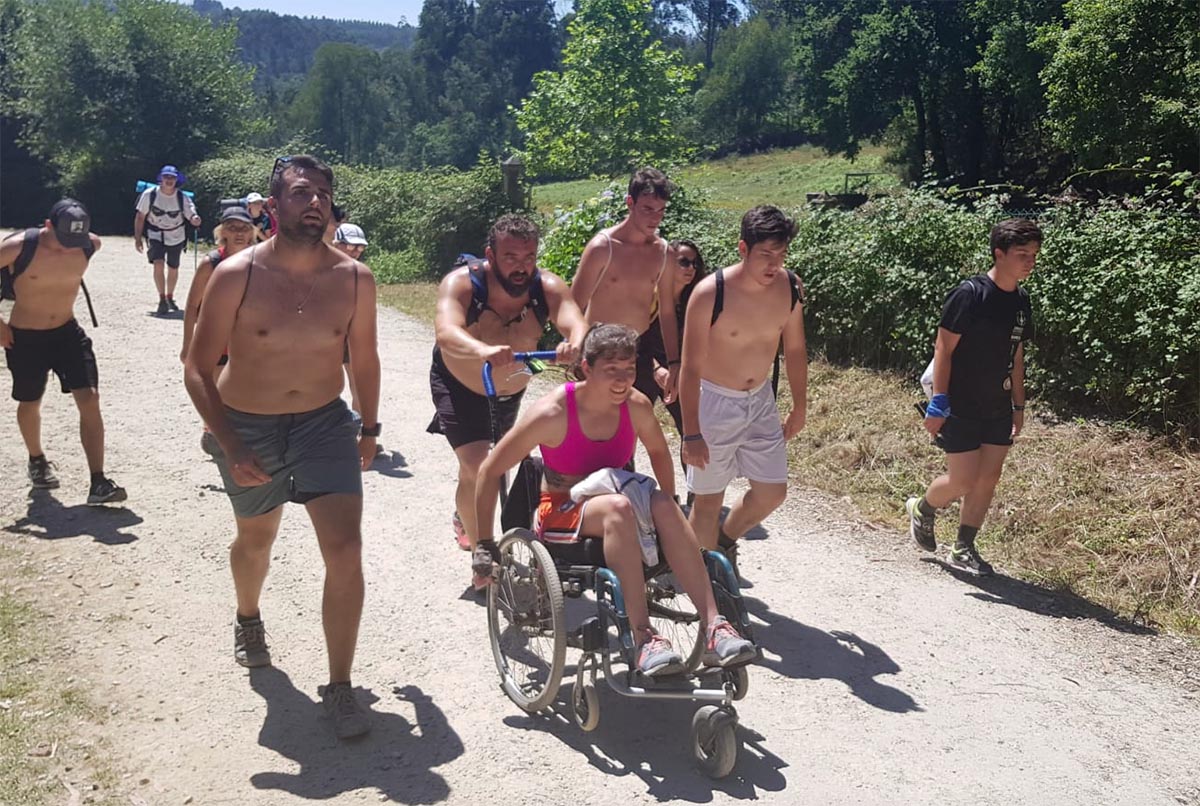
(651, 739)
(390, 463)
(809, 653)
(396, 758)
(47, 519)
(1005, 590)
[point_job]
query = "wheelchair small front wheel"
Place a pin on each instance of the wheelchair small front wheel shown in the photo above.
(739, 676)
(585, 705)
(715, 742)
(526, 623)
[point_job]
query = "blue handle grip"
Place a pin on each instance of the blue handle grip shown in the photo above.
(541, 355)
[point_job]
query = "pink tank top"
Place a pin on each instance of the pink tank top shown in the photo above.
(578, 455)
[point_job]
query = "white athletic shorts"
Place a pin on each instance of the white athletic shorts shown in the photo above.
(744, 437)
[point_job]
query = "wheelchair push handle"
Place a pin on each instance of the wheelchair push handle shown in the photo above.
(489, 385)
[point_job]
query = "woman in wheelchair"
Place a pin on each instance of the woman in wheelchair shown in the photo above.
(584, 427)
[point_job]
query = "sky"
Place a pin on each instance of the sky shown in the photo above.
(389, 11)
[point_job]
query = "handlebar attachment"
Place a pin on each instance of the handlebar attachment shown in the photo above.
(540, 355)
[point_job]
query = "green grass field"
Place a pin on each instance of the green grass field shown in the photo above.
(737, 183)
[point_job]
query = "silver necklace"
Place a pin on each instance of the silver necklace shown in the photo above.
(303, 302)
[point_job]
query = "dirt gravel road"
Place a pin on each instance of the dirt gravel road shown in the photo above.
(886, 679)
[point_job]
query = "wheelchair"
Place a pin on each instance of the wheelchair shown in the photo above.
(529, 635)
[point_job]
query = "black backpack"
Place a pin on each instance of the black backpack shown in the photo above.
(479, 293)
(719, 305)
(29, 245)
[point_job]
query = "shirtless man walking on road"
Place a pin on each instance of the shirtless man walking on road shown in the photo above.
(46, 266)
(486, 312)
(731, 425)
(287, 308)
(621, 275)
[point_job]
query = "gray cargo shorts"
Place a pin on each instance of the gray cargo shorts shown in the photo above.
(307, 455)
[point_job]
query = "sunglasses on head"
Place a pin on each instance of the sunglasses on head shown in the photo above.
(686, 262)
(281, 163)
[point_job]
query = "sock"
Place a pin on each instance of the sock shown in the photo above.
(41, 457)
(966, 536)
(243, 619)
(97, 477)
(924, 507)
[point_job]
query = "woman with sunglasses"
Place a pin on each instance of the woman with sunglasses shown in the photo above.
(687, 270)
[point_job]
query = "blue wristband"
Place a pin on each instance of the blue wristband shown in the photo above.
(939, 406)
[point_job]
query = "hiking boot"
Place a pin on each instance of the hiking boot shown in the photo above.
(483, 564)
(460, 533)
(106, 491)
(171, 304)
(250, 643)
(723, 646)
(920, 525)
(966, 558)
(349, 717)
(41, 474)
(163, 308)
(657, 658)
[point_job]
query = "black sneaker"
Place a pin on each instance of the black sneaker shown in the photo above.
(171, 304)
(106, 491)
(163, 307)
(250, 643)
(41, 474)
(966, 558)
(920, 525)
(730, 549)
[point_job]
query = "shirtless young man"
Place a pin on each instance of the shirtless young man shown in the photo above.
(486, 312)
(287, 308)
(622, 275)
(42, 335)
(731, 424)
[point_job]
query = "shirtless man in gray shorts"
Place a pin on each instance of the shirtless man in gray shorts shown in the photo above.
(731, 426)
(287, 309)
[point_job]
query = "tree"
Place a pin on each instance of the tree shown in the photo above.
(1124, 81)
(617, 100)
(746, 85)
(343, 102)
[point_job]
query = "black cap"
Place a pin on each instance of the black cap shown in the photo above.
(72, 224)
(235, 212)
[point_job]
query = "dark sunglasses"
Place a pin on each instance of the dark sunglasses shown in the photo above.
(686, 262)
(281, 163)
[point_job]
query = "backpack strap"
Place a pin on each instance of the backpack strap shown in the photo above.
(797, 289)
(214, 257)
(719, 299)
(537, 298)
(29, 245)
(479, 291)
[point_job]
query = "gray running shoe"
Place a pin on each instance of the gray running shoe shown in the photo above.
(41, 474)
(724, 647)
(349, 717)
(106, 491)
(656, 658)
(250, 643)
(966, 558)
(920, 525)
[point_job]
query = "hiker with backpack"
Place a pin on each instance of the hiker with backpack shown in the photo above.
(977, 405)
(487, 310)
(731, 423)
(162, 212)
(43, 273)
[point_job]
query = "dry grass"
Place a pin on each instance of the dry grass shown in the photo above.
(1109, 514)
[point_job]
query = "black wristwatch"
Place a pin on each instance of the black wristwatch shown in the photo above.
(372, 431)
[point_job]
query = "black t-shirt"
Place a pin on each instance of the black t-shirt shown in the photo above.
(990, 321)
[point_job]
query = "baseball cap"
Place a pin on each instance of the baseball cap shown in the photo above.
(251, 198)
(236, 213)
(170, 170)
(351, 234)
(71, 224)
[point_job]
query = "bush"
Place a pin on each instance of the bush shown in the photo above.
(416, 222)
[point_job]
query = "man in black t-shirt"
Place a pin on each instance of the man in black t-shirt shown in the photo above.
(978, 401)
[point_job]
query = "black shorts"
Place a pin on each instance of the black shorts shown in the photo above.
(462, 415)
(650, 349)
(155, 251)
(66, 351)
(963, 434)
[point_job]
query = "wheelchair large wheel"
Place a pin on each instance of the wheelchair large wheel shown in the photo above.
(673, 615)
(526, 625)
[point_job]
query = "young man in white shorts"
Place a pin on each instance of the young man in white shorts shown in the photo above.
(732, 427)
